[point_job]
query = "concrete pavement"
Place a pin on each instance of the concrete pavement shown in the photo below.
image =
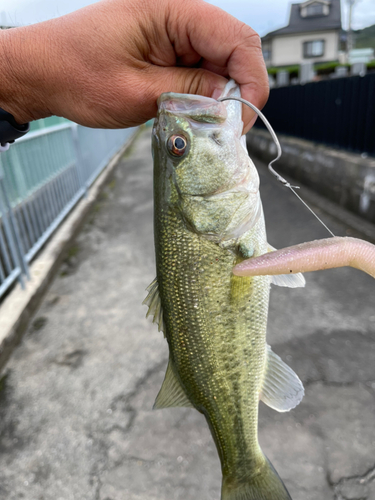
(76, 397)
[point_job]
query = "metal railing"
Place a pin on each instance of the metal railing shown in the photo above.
(42, 176)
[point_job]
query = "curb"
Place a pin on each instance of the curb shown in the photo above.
(346, 178)
(20, 305)
(351, 220)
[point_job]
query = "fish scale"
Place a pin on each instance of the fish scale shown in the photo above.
(207, 340)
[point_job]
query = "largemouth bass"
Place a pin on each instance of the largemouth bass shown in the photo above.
(208, 218)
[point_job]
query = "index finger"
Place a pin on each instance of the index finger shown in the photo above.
(224, 42)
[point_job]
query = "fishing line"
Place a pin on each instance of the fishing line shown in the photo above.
(279, 153)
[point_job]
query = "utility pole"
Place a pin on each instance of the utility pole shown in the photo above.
(349, 41)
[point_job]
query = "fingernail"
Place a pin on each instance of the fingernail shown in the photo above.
(217, 93)
(253, 120)
(250, 124)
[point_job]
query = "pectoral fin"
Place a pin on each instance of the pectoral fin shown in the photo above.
(171, 393)
(288, 280)
(154, 305)
(282, 389)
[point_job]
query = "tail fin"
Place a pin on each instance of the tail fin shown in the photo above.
(266, 485)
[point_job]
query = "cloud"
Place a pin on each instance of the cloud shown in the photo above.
(21, 12)
(262, 15)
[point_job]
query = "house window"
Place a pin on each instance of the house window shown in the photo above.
(266, 49)
(316, 9)
(315, 48)
(266, 54)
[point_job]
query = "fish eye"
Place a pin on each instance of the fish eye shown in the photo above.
(177, 144)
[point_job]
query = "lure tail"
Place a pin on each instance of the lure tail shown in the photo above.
(266, 485)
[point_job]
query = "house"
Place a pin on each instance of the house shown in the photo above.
(313, 34)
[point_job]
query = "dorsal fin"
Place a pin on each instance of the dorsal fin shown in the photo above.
(282, 389)
(154, 305)
(290, 280)
(171, 393)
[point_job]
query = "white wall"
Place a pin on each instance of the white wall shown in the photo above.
(288, 49)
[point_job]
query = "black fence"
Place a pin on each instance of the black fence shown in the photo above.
(338, 113)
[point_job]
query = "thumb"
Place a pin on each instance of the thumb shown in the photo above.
(196, 81)
(188, 81)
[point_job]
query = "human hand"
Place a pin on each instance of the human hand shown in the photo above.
(105, 65)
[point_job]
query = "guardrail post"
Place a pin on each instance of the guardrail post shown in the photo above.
(79, 159)
(11, 231)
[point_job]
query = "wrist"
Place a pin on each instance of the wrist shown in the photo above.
(23, 83)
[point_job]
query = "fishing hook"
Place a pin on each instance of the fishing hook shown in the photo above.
(279, 153)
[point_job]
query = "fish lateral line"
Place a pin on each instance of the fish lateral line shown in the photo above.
(279, 177)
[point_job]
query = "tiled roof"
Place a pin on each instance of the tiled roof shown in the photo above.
(299, 24)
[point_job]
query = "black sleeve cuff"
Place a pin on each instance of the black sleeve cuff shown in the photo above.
(10, 130)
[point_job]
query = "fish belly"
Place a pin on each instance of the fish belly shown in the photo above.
(215, 327)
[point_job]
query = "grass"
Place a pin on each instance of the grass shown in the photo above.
(39, 323)
(3, 382)
(112, 184)
(320, 68)
(290, 69)
(72, 251)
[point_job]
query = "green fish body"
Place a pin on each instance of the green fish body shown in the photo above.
(208, 217)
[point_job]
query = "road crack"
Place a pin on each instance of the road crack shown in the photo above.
(328, 383)
(123, 403)
(356, 487)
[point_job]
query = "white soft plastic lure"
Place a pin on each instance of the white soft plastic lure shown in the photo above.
(312, 256)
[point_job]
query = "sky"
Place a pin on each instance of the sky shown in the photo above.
(262, 15)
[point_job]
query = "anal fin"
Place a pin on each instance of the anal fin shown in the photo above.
(282, 389)
(171, 393)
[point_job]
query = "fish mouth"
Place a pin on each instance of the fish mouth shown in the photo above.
(197, 108)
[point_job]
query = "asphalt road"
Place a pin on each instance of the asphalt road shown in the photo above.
(76, 397)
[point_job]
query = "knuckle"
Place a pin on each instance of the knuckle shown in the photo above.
(197, 82)
(250, 37)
